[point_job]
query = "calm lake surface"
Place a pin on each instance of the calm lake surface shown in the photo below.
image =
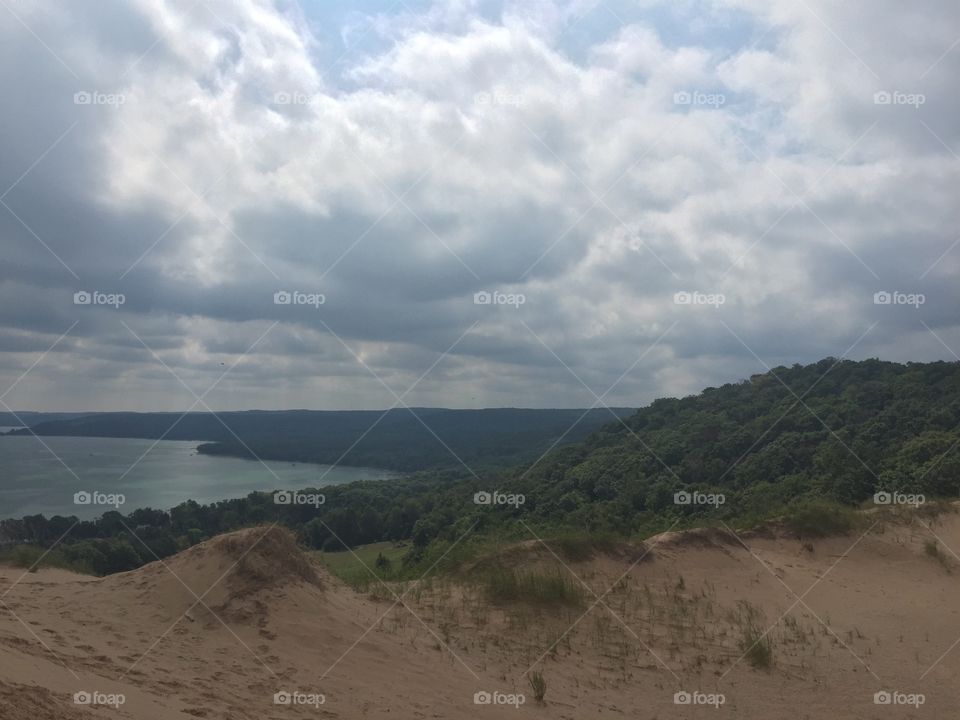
(33, 481)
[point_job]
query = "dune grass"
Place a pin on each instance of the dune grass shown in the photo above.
(819, 518)
(578, 546)
(34, 557)
(507, 586)
(364, 564)
(538, 685)
(755, 641)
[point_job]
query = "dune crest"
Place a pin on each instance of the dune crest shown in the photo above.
(227, 627)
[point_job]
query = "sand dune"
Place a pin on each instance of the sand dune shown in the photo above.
(217, 631)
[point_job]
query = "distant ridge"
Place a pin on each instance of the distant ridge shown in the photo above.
(399, 439)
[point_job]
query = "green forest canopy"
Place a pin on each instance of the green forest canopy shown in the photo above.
(835, 431)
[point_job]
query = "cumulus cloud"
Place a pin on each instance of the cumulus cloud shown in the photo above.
(658, 196)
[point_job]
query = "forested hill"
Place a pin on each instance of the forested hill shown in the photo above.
(840, 430)
(834, 430)
(19, 418)
(400, 439)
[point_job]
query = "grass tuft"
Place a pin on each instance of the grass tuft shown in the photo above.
(755, 643)
(538, 685)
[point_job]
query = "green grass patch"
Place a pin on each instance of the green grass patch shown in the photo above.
(508, 586)
(819, 518)
(34, 557)
(579, 546)
(383, 559)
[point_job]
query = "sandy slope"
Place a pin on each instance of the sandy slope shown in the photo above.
(878, 614)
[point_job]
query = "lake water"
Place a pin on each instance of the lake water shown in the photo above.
(33, 480)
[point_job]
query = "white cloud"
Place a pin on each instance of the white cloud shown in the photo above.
(462, 152)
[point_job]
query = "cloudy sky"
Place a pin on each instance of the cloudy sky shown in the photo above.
(352, 204)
